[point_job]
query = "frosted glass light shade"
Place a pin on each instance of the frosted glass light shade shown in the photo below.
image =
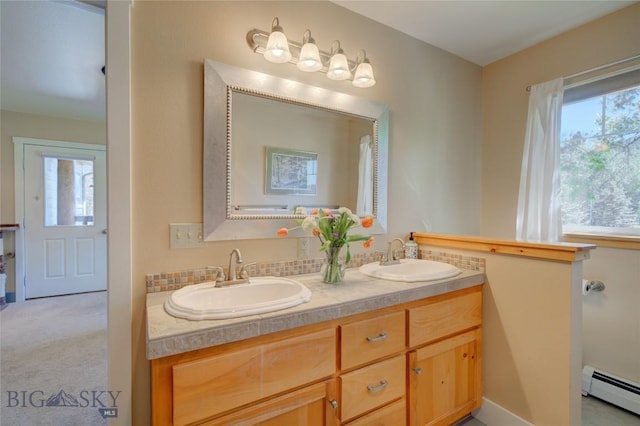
(309, 60)
(338, 67)
(277, 50)
(364, 76)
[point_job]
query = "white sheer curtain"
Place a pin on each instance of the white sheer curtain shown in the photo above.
(364, 204)
(539, 197)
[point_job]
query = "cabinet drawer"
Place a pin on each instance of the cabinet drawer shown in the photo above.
(436, 320)
(209, 386)
(394, 414)
(370, 387)
(367, 340)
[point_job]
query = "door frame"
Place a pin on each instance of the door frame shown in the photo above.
(119, 193)
(19, 144)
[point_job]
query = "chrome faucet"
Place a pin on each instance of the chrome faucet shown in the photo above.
(233, 275)
(237, 270)
(391, 258)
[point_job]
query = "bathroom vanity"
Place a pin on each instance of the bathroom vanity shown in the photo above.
(366, 351)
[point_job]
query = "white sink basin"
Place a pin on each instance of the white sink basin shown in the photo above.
(260, 295)
(411, 270)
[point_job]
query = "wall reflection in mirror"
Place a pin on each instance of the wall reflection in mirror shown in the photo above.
(273, 145)
(293, 155)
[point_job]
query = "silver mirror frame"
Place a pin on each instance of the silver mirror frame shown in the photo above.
(221, 80)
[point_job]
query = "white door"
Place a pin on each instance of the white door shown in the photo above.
(64, 220)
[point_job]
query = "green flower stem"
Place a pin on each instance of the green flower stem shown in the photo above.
(332, 271)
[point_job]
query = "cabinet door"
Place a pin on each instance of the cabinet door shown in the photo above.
(445, 380)
(315, 405)
(212, 385)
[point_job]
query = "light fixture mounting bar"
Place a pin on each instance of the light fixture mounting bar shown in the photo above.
(257, 41)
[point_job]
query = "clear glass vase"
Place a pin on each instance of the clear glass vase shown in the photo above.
(332, 270)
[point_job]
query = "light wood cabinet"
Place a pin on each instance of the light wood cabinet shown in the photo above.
(445, 367)
(367, 340)
(372, 386)
(416, 363)
(310, 406)
(444, 380)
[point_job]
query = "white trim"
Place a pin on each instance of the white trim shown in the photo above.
(491, 413)
(118, 78)
(58, 144)
(18, 159)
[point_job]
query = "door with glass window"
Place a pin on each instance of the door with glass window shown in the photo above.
(65, 220)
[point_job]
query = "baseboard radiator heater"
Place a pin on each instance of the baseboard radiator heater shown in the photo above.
(615, 390)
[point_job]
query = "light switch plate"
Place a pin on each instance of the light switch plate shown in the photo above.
(186, 235)
(304, 248)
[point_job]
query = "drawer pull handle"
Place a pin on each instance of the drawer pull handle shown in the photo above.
(417, 370)
(333, 403)
(378, 338)
(383, 384)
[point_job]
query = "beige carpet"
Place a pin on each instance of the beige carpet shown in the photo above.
(53, 362)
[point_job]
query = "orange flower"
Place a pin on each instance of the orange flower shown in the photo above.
(283, 232)
(315, 232)
(327, 212)
(314, 212)
(367, 222)
(367, 244)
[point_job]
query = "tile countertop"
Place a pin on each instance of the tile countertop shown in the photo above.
(358, 293)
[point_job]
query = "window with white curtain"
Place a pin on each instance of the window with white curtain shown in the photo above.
(600, 156)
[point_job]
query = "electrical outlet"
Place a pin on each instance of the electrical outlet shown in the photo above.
(185, 235)
(304, 248)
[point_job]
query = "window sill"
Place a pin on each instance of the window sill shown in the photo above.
(603, 240)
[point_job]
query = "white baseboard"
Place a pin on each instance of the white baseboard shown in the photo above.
(493, 414)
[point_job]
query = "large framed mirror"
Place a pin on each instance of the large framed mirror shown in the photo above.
(272, 145)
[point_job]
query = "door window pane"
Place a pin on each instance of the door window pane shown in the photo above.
(68, 191)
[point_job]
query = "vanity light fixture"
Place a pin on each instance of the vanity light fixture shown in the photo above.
(309, 59)
(277, 50)
(338, 66)
(364, 72)
(275, 47)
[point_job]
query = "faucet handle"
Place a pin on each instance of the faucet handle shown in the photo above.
(397, 254)
(219, 277)
(244, 274)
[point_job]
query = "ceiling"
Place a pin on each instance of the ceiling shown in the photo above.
(53, 51)
(483, 31)
(52, 59)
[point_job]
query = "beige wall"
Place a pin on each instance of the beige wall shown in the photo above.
(434, 101)
(611, 321)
